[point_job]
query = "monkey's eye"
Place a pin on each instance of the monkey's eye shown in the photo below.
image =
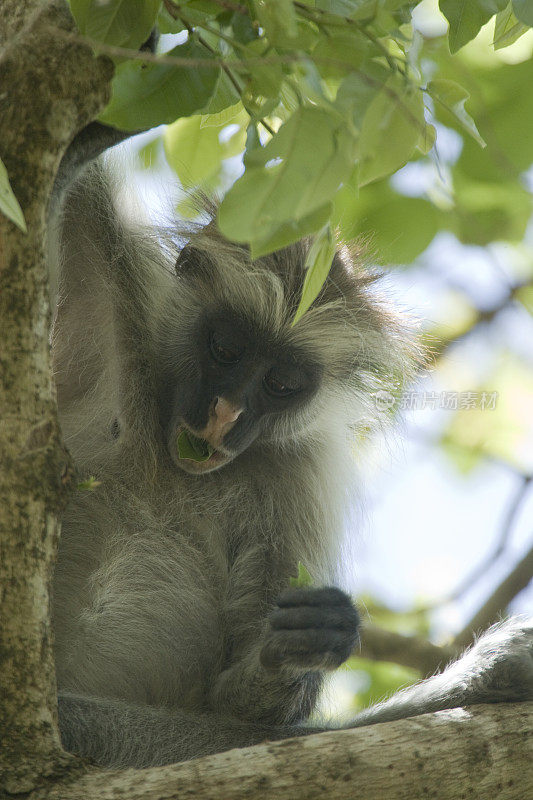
(278, 387)
(223, 349)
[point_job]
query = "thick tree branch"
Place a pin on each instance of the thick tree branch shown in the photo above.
(482, 752)
(49, 89)
(379, 644)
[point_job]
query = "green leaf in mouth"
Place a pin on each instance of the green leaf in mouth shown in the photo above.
(192, 447)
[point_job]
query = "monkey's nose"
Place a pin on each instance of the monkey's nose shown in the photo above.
(226, 413)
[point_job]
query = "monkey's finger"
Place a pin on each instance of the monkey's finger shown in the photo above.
(327, 596)
(309, 649)
(343, 618)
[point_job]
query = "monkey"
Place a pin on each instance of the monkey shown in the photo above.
(177, 633)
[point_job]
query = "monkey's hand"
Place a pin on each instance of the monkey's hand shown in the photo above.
(310, 629)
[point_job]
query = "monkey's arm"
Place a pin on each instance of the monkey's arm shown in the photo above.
(278, 677)
(119, 734)
(497, 668)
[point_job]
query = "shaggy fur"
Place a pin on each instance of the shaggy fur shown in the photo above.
(165, 580)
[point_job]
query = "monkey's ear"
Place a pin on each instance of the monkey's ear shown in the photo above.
(193, 261)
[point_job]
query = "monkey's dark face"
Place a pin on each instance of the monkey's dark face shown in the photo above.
(238, 381)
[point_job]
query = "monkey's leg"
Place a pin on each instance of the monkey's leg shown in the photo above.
(497, 668)
(118, 734)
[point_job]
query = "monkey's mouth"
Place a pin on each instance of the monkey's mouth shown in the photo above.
(195, 454)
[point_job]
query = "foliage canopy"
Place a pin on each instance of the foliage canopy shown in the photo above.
(325, 99)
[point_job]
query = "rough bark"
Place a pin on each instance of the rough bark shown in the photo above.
(49, 89)
(476, 753)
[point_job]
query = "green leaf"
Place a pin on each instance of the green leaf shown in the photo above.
(9, 204)
(504, 101)
(490, 211)
(145, 95)
(167, 24)
(467, 17)
(392, 128)
(317, 265)
(224, 97)
(394, 5)
(277, 18)
(197, 12)
(193, 147)
(296, 173)
(507, 29)
(304, 578)
(340, 53)
(525, 296)
(357, 91)
(191, 446)
(265, 79)
(291, 231)
(524, 11)
(453, 97)
(229, 115)
(398, 228)
(149, 153)
(123, 23)
(243, 29)
(193, 152)
(89, 485)
(355, 9)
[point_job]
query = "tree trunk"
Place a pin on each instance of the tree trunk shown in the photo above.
(49, 89)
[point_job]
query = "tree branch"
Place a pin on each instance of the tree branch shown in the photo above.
(380, 644)
(510, 517)
(479, 752)
(494, 607)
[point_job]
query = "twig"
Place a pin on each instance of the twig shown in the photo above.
(180, 61)
(439, 347)
(494, 607)
(506, 529)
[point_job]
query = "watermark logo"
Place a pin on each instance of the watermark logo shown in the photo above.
(450, 401)
(384, 400)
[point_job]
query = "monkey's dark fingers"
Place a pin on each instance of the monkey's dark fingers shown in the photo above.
(342, 618)
(328, 609)
(328, 596)
(307, 649)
